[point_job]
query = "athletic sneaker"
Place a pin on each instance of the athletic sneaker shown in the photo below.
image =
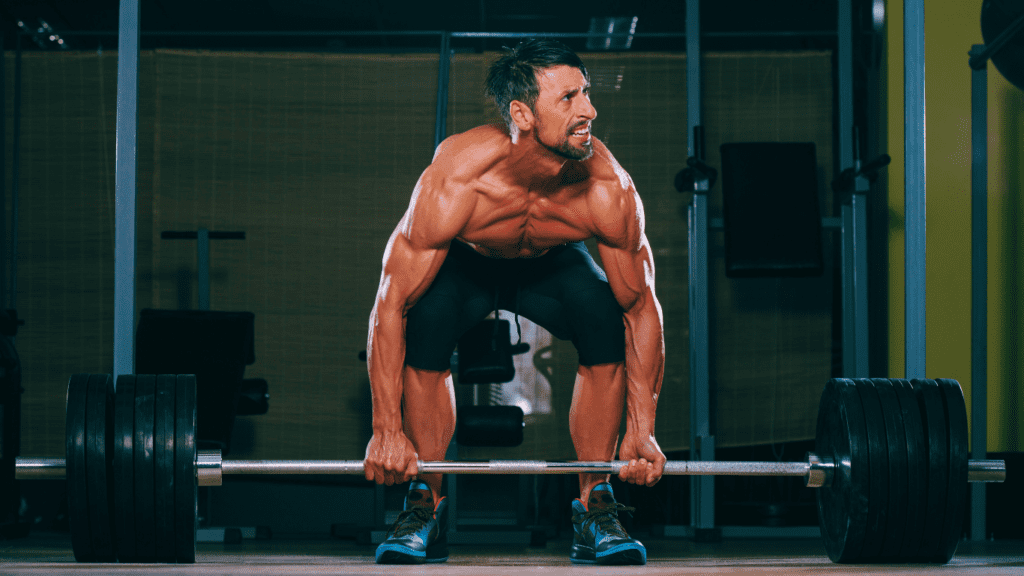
(420, 534)
(598, 536)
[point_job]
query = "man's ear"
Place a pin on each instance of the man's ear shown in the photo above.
(522, 116)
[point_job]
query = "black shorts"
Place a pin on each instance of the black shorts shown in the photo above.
(563, 291)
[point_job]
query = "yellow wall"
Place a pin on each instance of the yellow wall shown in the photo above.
(951, 27)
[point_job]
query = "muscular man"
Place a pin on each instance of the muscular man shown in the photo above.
(498, 219)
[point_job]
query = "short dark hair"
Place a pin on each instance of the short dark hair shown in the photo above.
(513, 76)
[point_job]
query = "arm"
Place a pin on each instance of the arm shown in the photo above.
(437, 213)
(629, 264)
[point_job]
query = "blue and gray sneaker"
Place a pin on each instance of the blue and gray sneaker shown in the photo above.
(598, 536)
(420, 534)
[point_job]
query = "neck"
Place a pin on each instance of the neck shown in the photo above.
(532, 164)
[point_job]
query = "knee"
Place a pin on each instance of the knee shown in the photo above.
(600, 334)
(430, 335)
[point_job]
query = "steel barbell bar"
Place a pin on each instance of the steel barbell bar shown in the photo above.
(210, 468)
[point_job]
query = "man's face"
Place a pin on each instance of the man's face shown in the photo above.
(563, 113)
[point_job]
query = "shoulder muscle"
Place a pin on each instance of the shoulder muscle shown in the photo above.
(617, 211)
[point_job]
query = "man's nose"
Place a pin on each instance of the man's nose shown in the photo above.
(587, 109)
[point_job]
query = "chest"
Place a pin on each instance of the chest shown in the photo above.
(529, 220)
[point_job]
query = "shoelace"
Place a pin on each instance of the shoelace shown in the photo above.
(412, 520)
(607, 519)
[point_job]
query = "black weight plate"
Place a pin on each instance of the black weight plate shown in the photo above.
(917, 469)
(185, 504)
(99, 423)
(843, 506)
(164, 451)
(75, 468)
(124, 468)
(956, 490)
(145, 467)
(933, 414)
(898, 486)
(878, 469)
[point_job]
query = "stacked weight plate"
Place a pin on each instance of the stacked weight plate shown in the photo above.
(900, 483)
(132, 468)
(88, 452)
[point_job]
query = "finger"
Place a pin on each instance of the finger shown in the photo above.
(391, 472)
(631, 470)
(411, 469)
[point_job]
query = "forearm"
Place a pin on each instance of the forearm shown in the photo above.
(645, 363)
(385, 359)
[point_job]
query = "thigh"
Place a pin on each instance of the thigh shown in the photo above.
(569, 295)
(457, 299)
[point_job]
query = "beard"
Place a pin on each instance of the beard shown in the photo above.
(565, 149)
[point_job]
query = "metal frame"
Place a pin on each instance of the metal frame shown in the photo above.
(853, 215)
(3, 170)
(702, 440)
(979, 283)
(12, 295)
(124, 189)
(915, 219)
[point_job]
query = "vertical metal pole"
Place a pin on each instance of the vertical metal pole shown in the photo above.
(915, 200)
(702, 445)
(854, 231)
(440, 129)
(124, 191)
(203, 268)
(12, 295)
(3, 171)
(979, 287)
(443, 78)
(847, 270)
(859, 209)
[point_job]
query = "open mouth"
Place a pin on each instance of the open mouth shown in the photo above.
(582, 132)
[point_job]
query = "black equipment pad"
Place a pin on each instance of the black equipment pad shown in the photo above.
(771, 209)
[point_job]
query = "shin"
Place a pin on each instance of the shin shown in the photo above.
(429, 417)
(594, 418)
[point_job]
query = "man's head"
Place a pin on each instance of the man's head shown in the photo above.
(543, 86)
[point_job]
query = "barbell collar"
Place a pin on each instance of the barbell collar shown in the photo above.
(986, 471)
(209, 468)
(819, 471)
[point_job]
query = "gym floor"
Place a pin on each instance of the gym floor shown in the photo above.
(51, 554)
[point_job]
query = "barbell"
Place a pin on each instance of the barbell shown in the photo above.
(890, 465)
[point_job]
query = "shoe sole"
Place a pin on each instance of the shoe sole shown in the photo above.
(405, 555)
(625, 555)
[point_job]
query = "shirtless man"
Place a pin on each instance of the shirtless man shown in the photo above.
(498, 220)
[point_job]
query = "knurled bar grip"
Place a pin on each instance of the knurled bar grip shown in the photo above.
(210, 467)
(517, 467)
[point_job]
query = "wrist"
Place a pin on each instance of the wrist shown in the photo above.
(386, 426)
(640, 427)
